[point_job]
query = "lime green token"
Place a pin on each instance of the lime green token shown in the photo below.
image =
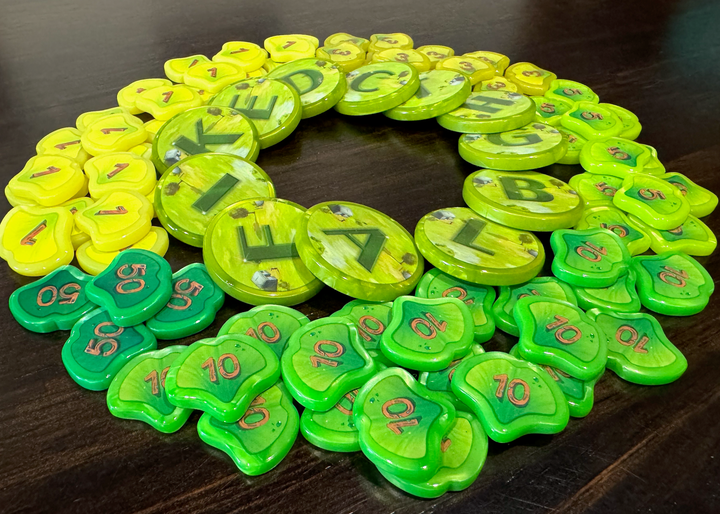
(592, 121)
(440, 92)
(273, 106)
(65, 142)
(436, 53)
(511, 397)
(401, 424)
(378, 87)
(550, 110)
(55, 302)
(672, 283)
(631, 125)
(371, 319)
(465, 245)
(693, 237)
(440, 381)
(633, 234)
(620, 296)
(119, 171)
(190, 194)
(333, 430)
(262, 437)
(638, 349)
(98, 348)
(343, 37)
(138, 391)
(323, 361)
(47, 180)
(619, 157)
(596, 189)
(529, 78)
(247, 56)
(250, 251)
(127, 96)
(575, 145)
(654, 201)
(93, 261)
(489, 112)
(497, 83)
(498, 61)
(113, 133)
(702, 201)
(175, 68)
(88, 118)
(570, 90)
(222, 376)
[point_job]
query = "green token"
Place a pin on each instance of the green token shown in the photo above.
(550, 110)
(693, 237)
(479, 299)
(638, 350)
(250, 252)
(378, 87)
(262, 437)
(561, 89)
(654, 201)
(588, 258)
(203, 130)
(440, 92)
(632, 233)
(333, 430)
(672, 283)
(192, 307)
(702, 201)
(620, 296)
(619, 157)
(222, 376)
(138, 391)
(631, 124)
(532, 146)
(596, 189)
(465, 245)
(323, 361)
(133, 288)
(490, 112)
(547, 287)
(98, 348)
(440, 381)
(320, 84)
(194, 191)
(511, 397)
(359, 251)
(273, 106)
(592, 121)
(526, 200)
(401, 424)
(371, 319)
(55, 302)
(575, 145)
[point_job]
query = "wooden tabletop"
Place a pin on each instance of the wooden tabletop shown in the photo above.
(640, 449)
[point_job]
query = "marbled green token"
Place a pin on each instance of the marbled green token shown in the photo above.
(655, 202)
(333, 430)
(631, 124)
(525, 200)
(262, 437)
(592, 121)
(594, 257)
(693, 237)
(465, 245)
(620, 296)
(490, 112)
(378, 87)
(401, 424)
(359, 251)
(98, 348)
(511, 397)
(440, 92)
(547, 287)
(479, 299)
(632, 233)
(250, 252)
(527, 148)
(54, 302)
(272, 324)
(371, 319)
(321, 84)
(596, 189)
(702, 201)
(439, 381)
(194, 191)
(562, 89)
(273, 106)
(192, 307)
(138, 391)
(427, 334)
(672, 283)
(619, 157)
(222, 375)
(203, 130)
(133, 288)
(323, 361)
(550, 110)
(575, 145)
(638, 350)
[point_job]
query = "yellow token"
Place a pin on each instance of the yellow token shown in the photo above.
(498, 61)
(77, 236)
(413, 57)
(88, 118)
(36, 241)
(65, 142)
(94, 262)
(260, 72)
(342, 37)
(205, 95)
(127, 96)
(143, 150)
(290, 47)
(530, 79)
(246, 56)
(47, 180)
(436, 53)
(213, 76)
(345, 54)
(496, 84)
(16, 202)
(119, 171)
(384, 41)
(152, 128)
(113, 133)
(116, 220)
(270, 65)
(474, 69)
(176, 68)
(165, 102)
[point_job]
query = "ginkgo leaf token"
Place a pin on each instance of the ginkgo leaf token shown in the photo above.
(596, 189)
(119, 171)
(346, 55)
(117, 220)
(246, 56)
(655, 202)
(440, 381)
(64, 142)
(340, 37)
(619, 157)
(175, 68)
(633, 234)
(702, 201)
(371, 320)
(94, 261)
(128, 95)
(88, 118)
(631, 125)
(693, 237)
(48, 180)
(213, 76)
(436, 53)
(620, 296)
(291, 47)
(394, 40)
(497, 83)
(476, 70)
(166, 101)
(550, 110)
(498, 61)
(334, 429)
(575, 145)
(571, 90)
(530, 79)
(113, 133)
(592, 121)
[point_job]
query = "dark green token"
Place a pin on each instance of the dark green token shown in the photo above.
(371, 319)
(332, 430)
(621, 296)
(439, 381)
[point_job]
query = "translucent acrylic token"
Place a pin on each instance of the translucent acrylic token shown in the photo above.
(346, 55)
(371, 320)
(620, 296)
(87, 118)
(440, 381)
(341, 37)
(334, 429)
(143, 150)
(497, 83)
(592, 121)
(165, 102)
(654, 201)
(114, 133)
(419, 60)
(550, 110)
(631, 124)
(94, 261)
(530, 79)
(575, 145)
(246, 56)
(47, 180)
(570, 90)
(175, 68)
(152, 127)
(488, 112)
(498, 61)
(619, 157)
(702, 201)
(117, 220)
(119, 171)
(395, 40)
(128, 95)
(77, 236)
(693, 237)
(596, 189)
(441, 91)
(436, 53)
(476, 70)
(378, 87)
(633, 234)
(291, 47)
(64, 142)
(214, 76)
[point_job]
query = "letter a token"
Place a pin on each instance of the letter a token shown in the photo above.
(321, 84)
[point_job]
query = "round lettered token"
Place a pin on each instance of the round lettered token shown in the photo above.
(346, 55)
(575, 145)
(488, 112)
(620, 296)
(631, 124)
(371, 320)
(333, 430)
(113, 133)
(94, 261)
(128, 95)
(291, 47)
(117, 220)
(634, 235)
(359, 251)
(380, 42)
(440, 381)
(592, 121)
(595, 189)
(87, 118)
(702, 201)
(175, 68)
(570, 90)
(550, 110)
(119, 171)
(213, 76)
(476, 70)
(342, 37)
(619, 157)
(165, 102)
(530, 79)
(378, 87)
(498, 61)
(440, 92)
(47, 180)
(654, 201)
(417, 59)
(497, 83)
(693, 237)
(436, 53)
(246, 56)
(65, 142)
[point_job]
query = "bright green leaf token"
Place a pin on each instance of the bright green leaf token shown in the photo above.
(592, 121)
(550, 110)
(439, 381)
(401, 424)
(378, 87)
(54, 302)
(524, 200)
(359, 251)
(589, 258)
(561, 89)
(633, 234)
(511, 397)
(532, 146)
(596, 189)
(97, 349)
(465, 245)
(222, 376)
(631, 124)
(489, 112)
(654, 201)
(440, 92)
(264, 435)
(619, 157)
(620, 296)
(273, 106)
(191, 193)
(672, 283)
(138, 391)
(250, 252)
(702, 201)
(693, 237)
(575, 145)
(371, 319)
(333, 430)
(479, 299)
(323, 361)
(638, 350)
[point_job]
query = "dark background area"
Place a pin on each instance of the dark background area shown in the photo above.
(640, 449)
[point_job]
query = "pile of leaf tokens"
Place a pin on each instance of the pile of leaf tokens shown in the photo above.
(402, 378)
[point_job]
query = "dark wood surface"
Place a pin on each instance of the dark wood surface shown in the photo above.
(640, 449)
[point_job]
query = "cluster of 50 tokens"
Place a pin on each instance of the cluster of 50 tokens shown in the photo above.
(401, 377)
